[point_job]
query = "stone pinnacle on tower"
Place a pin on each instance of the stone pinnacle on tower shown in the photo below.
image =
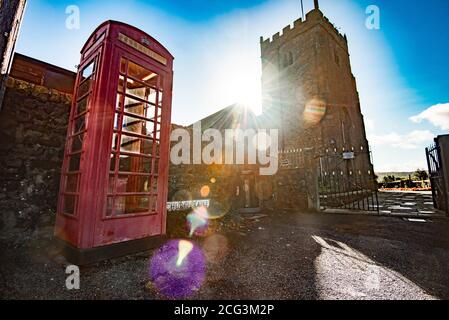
(317, 5)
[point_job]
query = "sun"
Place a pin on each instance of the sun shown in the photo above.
(248, 94)
(240, 82)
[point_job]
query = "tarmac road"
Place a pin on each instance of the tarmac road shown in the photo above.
(284, 256)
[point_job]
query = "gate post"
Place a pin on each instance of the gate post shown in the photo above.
(443, 143)
(314, 201)
(312, 174)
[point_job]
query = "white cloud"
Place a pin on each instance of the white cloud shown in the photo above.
(411, 140)
(407, 166)
(438, 115)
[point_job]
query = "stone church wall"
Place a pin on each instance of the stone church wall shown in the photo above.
(33, 127)
(309, 89)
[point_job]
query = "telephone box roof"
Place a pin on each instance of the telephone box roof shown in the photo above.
(118, 24)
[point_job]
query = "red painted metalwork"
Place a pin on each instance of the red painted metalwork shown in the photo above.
(115, 174)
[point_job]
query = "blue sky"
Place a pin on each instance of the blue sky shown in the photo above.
(401, 70)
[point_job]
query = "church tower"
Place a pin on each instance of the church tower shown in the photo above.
(310, 94)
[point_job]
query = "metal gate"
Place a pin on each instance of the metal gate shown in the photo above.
(434, 162)
(354, 190)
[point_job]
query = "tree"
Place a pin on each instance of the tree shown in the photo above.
(421, 175)
(390, 178)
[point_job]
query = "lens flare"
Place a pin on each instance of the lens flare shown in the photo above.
(177, 269)
(218, 210)
(314, 111)
(213, 180)
(197, 221)
(205, 191)
(184, 248)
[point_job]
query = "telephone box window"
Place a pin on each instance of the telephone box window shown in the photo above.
(131, 144)
(136, 125)
(77, 144)
(77, 131)
(84, 88)
(69, 204)
(155, 184)
(141, 74)
(72, 183)
(136, 135)
(144, 93)
(134, 164)
(75, 162)
(131, 205)
(81, 106)
(136, 184)
(88, 71)
(138, 108)
(86, 80)
(80, 125)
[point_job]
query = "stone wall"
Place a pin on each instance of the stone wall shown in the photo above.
(33, 126)
(215, 182)
(11, 15)
(218, 183)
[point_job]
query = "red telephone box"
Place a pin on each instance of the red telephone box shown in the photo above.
(114, 180)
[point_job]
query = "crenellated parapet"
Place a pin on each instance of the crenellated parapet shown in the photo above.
(299, 26)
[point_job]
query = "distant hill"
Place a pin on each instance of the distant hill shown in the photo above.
(398, 175)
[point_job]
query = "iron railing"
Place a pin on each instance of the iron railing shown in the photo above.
(356, 192)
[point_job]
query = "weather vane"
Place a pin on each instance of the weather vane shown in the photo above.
(302, 9)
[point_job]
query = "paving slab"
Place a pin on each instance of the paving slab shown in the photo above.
(400, 202)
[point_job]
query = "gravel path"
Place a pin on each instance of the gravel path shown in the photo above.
(283, 256)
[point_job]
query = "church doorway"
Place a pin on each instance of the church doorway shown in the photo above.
(247, 193)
